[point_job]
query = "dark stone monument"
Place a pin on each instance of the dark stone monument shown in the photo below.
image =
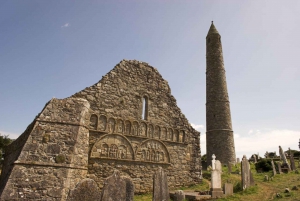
(245, 169)
(87, 190)
(160, 186)
(229, 168)
(273, 168)
(251, 179)
(179, 195)
(117, 188)
(292, 161)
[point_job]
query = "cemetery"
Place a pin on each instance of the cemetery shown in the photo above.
(124, 138)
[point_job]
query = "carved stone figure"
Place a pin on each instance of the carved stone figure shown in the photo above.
(93, 122)
(127, 127)
(150, 131)
(181, 136)
(102, 123)
(120, 126)
(111, 125)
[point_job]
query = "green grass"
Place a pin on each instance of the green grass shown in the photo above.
(261, 191)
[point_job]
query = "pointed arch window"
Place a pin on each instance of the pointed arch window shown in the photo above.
(145, 108)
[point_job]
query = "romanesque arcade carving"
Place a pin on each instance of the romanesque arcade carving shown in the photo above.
(113, 146)
(135, 128)
(153, 151)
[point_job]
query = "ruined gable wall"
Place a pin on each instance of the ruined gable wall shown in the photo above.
(121, 139)
(51, 157)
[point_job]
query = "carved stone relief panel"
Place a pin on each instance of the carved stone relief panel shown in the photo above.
(150, 131)
(127, 127)
(113, 146)
(153, 151)
(93, 122)
(111, 125)
(143, 130)
(102, 123)
(163, 133)
(156, 132)
(170, 134)
(135, 128)
(176, 136)
(120, 126)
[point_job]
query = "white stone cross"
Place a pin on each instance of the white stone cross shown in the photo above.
(213, 161)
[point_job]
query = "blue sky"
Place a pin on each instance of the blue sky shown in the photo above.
(56, 48)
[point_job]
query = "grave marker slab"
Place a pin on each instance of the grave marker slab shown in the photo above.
(160, 186)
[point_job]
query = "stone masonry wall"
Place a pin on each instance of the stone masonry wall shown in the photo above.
(122, 138)
(219, 135)
(53, 154)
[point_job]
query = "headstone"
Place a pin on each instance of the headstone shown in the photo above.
(255, 159)
(279, 167)
(245, 169)
(216, 183)
(228, 189)
(238, 160)
(160, 186)
(251, 179)
(283, 157)
(266, 178)
(86, 189)
(179, 195)
(229, 168)
(273, 167)
(292, 161)
(117, 188)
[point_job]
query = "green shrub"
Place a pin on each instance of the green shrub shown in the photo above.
(264, 164)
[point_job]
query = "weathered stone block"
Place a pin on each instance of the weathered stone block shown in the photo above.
(86, 190)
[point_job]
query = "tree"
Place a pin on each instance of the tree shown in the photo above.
(4, 141)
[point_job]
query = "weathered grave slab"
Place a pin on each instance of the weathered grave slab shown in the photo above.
(87, 190)
(160, 186)
(245, 170)
(117, 188)
(228, 188)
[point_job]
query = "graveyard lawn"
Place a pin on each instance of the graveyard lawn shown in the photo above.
(261, 191)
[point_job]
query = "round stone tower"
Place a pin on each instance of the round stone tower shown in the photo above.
(219, 133)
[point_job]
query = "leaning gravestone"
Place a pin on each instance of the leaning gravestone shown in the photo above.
(179, 195)
(273, 167)
(245, 172)
(279, 167)
(86, 189)
(117, 188)
(282, 156)
(160, 186)
(292, 161)
(216, 185)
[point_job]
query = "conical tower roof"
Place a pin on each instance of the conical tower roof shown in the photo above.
(212, 29)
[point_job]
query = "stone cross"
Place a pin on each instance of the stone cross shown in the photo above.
(245, 173)
(216, 183)
(160, 186)
(117, 188)
(273, 167)
(213, 161)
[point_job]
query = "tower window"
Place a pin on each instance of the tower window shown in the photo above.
(145, 108)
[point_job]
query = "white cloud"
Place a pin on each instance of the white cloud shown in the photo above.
(260, 141)
(10, 135)
(66, 25)
(197, 127)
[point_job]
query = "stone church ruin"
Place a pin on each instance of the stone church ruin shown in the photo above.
(128, 121)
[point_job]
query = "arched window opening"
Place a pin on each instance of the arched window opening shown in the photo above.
(145, 108)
